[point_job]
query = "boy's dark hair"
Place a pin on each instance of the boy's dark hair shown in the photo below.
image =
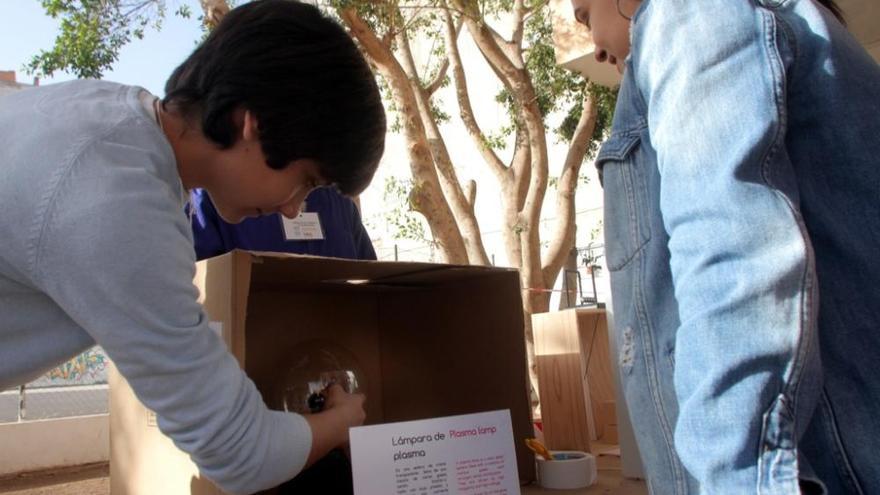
(301, 75)
(832, 6)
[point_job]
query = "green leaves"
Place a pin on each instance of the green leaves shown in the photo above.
(400, 216)
(557, 89)
(93, 32)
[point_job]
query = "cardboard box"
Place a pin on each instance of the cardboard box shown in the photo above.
(432, 340)
(575, 378)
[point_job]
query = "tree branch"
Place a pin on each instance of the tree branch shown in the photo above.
(521, 164)
(518, 80)
(408, 61)
(134, 8)
(437, 82)
(488, 42)
(564, 232)
(464, 103)
(534, 8)
(427, 197)
(470, 190)
(449, 183)
(434, 85)
(377, 49)
(519, 12)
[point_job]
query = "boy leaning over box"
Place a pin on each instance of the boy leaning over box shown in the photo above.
(95, 247)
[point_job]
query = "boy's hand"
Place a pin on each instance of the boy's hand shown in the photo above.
(330, 426)
(349, 406)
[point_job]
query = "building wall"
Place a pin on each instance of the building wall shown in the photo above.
(10, 84)
(37, 445)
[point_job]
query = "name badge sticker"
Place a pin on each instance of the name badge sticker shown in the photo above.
(305, 227)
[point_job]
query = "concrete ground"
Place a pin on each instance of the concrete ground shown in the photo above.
(94, 479)
(91, 479)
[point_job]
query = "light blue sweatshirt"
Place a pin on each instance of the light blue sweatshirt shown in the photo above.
(95, 248)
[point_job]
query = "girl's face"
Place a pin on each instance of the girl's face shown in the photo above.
(608, 22)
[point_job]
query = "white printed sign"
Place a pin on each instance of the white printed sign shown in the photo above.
(305, 227)
(471, 454)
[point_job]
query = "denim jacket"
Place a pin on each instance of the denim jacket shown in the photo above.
(742, 228)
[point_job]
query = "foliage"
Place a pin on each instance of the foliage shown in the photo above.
(93, 32)
(401, 215)
(583, 180)
(591, 255)
(605, 98)
(555, 86)
(558, 89)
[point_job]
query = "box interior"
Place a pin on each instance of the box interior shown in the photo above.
(430, 340)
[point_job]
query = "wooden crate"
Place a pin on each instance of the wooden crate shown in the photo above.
(575, 378)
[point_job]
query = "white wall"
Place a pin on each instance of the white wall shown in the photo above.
(36, 445)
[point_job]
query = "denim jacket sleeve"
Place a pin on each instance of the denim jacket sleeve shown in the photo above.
(713, 83)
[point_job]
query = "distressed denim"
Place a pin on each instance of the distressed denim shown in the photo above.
(742, 230)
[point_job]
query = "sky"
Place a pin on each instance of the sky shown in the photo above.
(25, 29)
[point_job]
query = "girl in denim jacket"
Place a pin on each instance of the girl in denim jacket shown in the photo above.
(742, 225)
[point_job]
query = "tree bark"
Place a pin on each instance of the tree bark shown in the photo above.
(427, 195)
(564, 233)
(506, 60)
(461, 209)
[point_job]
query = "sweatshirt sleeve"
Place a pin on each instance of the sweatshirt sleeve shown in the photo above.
(115, 253)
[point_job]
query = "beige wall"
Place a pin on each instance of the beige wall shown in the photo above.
(35, 445)
(863, 21)
(574, 46)
(9, 83)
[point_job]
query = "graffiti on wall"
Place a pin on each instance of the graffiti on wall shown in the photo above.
(89, 368)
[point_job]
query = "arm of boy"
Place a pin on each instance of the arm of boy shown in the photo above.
(330, 427)
(125, 276)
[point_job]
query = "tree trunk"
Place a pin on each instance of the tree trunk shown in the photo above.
(566, 223)
(569, 296)
(462, 210)
(427, 195)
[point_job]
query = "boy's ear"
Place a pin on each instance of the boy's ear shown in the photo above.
(249, 128)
